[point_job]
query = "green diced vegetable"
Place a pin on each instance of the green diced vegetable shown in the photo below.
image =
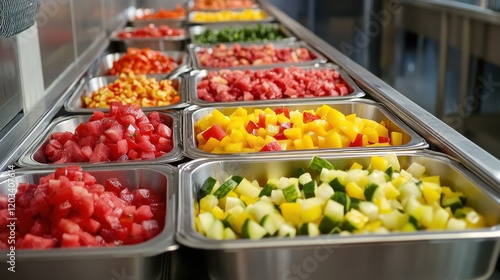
(290, 193)
(336, 185)
(266, 191)
(207, 187)
(317, 164)
(309, 189)
(370, 191)
(226, 187)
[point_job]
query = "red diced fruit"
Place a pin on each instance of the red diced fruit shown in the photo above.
(112, 137)
(69, 208)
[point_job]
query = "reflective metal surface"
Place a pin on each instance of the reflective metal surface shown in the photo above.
(363, 108)
(436, 255)
(34, 155)
(197, 76)
(55, 32)
(10, 88)
(145, 260)
(88, 23)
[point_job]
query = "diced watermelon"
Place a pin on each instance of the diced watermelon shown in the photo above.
(164, 131)
(65, 137)
(164, 145)
(92, 226)
(97, 115)
(133, 154)
(101, 153)
(86, 239)
(135, 236)
(68, 226)
(127, 196)
(31, 241)
(113, 185)
(70, 240)
(4, 216)
(154, 118)
(143, 213)
(150, 229)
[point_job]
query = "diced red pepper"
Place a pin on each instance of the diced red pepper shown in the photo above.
(309, 117)
(284, 111)
(271, 146)
(358, 142)
(214, 131)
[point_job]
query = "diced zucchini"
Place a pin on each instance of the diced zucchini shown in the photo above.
(409, 227)
(310, 229)
(334, 210)
(377, 177)
(300, 171)
(285, 182)
(277, 197)
(393, 161)
(266, 191)
(246, 188)
(232, 202)
(261, 209)
(253, 230)
(369, 209)
(416, 223)
(236, 178)
(226, 187)
(370, 192)
(229, 234)
(323, 191)
(336, 185)
(389, 171)
(287, 230)
(327, 176)
(309, 189)
(416, 169)
(237, 210)
(343, 199)
(394, 220)
(355, 203)
(290, 193)
(327, 224)
(272, 223)
(206, 220)
(304, 179)
(453, 200)
(409, 189)
(354, 220)
(439, 219)
(357, 176)
(456, 224)
(207, 186)
(317, 164)
(216, 231)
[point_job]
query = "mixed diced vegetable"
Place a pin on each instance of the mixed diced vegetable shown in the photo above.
(379, 198)
(247, 131)
(252, 33)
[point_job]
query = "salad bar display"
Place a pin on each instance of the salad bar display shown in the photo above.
(254, 147)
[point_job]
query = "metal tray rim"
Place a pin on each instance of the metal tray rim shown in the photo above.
(416, 143)
(114, 36)
(193, 50)
(190, 4)
(193, 94)
(162, 243)
(176, 154)
(188, 236)
(71, 103)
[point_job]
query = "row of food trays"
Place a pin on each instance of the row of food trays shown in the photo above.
(285, 163)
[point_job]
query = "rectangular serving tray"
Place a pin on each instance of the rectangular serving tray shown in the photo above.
(74, 103)
(361, 107)
(194, 49)
(34, 155)
(429, 255)
(102, 66)
(196, 76)
(190, 19)
(170, 43)
(198, 29)
(190, 7)
(137, 22)
(147, 260)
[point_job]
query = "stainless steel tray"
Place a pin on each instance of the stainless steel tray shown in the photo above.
(429, 255)
(190, 6)
(34, 155)
(361, 107)
(191, 15)
(194, 49)
(196, 76)
(105, 63)
(74, 103)
(147, 260)
(170, 43)
(172, 22)
(199, 29)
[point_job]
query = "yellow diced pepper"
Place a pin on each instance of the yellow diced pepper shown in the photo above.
(211, 144)
(396, 138)
(291, 212)
(379, 163)
(356, 165)
(293, 133)
(353, 190)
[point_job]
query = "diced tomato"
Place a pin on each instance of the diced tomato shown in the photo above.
(271, 146)
(284, 111)
(309, 117)
(214, 131)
